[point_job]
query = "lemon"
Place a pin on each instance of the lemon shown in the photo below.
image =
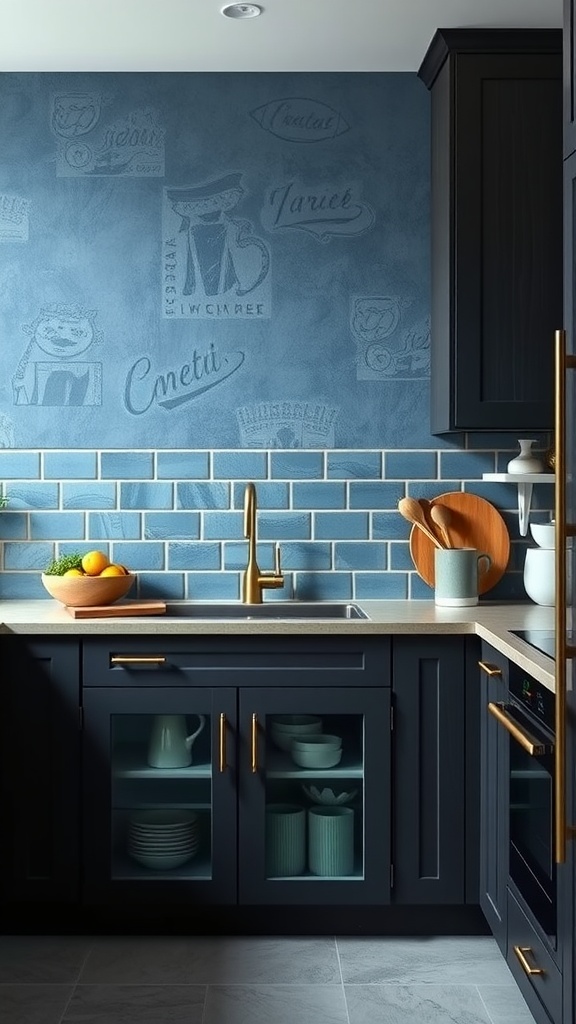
(113, 570)
(73, 572)
(94, 562)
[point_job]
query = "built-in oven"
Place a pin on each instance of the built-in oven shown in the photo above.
(528, 717)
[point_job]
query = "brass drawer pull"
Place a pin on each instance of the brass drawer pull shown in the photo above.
(490, 670)
(521, 954)
(526, 741)
(125, 659)
(254, 764)
(223, 742)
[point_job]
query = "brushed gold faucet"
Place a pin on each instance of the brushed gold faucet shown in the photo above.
(254, 581)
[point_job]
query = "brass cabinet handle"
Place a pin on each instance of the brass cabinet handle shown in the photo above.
(490, 670)
(222, 742)
(521, 954)
(526, 741)
(254, 764)
(563, 650)
(137, 659)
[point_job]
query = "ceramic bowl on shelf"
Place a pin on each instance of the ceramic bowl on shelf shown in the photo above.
(87, 591)
(544, 534)
(322, 741)
(285, 728)
(327, 796)
(321, 757)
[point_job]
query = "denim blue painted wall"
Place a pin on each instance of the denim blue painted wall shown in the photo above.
(209, 278)
(214, 260)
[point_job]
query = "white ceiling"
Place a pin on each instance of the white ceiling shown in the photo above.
(291, 35)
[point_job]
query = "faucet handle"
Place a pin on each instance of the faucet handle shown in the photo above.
(277, 566)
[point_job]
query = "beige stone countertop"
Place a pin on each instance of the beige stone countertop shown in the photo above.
(489, 620)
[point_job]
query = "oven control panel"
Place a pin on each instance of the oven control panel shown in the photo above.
(532, 695)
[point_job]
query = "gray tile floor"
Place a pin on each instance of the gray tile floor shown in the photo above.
(164, 980)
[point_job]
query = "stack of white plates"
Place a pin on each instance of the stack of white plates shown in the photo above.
(163, 838)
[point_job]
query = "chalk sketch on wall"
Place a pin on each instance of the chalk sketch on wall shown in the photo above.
(7, 435)
(322, 210)
(146, 388)
(131, 145)
(300, 119)
(61, 333)
(214, 266)
(391, 345)
(287, 424)
(14, 212)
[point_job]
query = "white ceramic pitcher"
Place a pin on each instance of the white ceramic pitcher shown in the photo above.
(169, 745)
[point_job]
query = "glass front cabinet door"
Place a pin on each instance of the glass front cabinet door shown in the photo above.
(218, 795)
(160, 802)
(314, 800)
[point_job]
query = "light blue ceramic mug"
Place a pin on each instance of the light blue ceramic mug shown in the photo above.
(456, 575)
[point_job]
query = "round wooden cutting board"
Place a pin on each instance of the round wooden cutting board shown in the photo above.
(475, 524)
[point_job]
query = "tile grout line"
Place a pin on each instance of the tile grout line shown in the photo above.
(75, 983)
(484, 1005)
(341, 979)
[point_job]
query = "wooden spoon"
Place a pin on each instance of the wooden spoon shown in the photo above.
(414, 513)
(442, 516)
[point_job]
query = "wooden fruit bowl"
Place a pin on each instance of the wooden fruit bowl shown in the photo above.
(87, 591)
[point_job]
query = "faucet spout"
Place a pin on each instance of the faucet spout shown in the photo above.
(254, 581)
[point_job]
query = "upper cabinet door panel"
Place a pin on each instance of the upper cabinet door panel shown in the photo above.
(569, 77)
(496, 227)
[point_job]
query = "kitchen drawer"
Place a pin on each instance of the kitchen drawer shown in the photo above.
(219, 660)
(542, 992)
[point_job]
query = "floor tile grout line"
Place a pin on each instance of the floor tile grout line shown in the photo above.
(488, 1014)
(342, 979)
(74, 985)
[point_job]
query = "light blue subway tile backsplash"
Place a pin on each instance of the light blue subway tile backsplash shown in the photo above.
(297, 465)
(341, 525)
(176, 518)
(201, 496)
(19, 465)
(92, 495)
(57, 526)
(26, 555)
(193, 555)
(360, 556)
(319, 495)
(410, 465)
(70, 465)
(239, 465)
(183, 465)
(114, 525)
(127, 465)
(34, 496)
(341, 465)
(171, 525)
(149, 495)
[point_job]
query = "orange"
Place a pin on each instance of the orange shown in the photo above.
(73, 572)
(113, 570)
(94, 562)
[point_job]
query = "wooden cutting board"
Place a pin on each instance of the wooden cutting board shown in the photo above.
(476, 524)
(104, 611)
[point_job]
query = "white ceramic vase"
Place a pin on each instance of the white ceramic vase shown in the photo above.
(526, 461)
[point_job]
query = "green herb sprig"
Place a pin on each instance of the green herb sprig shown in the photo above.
(58, 566)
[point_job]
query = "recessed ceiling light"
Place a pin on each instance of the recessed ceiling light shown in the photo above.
(241, 11)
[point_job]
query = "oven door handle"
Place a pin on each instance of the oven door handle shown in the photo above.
(528, 742)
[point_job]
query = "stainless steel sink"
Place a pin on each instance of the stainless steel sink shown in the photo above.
(269, 610)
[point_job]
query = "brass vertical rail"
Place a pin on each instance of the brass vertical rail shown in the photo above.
(563, 650)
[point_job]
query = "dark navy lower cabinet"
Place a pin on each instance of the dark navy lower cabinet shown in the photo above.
(429, 777)
(194, 792)
(494, 798)
(40, 771)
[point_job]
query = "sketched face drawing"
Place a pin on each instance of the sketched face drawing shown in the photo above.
(75, 114)
(64, 337)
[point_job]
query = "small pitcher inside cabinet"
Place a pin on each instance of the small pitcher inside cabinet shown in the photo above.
(169, 746)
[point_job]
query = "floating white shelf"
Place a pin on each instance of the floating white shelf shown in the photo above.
(524, 482)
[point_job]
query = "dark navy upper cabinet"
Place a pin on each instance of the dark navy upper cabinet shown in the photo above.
(496, 226)
(40, 771)
(569, 48)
